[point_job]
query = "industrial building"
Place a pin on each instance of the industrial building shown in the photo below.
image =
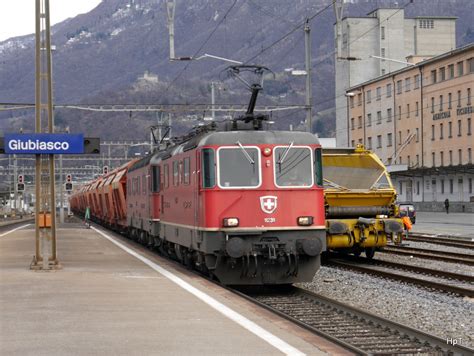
(419, 121)
(387, 33)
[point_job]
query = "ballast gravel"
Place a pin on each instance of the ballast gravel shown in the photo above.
(422, 262)
(437, 313)
(441, 248)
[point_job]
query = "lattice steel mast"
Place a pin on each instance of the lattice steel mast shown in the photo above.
(45, 205)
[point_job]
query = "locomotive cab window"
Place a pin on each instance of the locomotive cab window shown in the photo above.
(208, 168)
(293, 166)
(239, 167)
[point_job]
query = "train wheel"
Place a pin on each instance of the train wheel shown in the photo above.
(370, 252)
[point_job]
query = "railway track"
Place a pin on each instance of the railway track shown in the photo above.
(358, 331)
(8, 225)
(444, 241)
(461, 258)
(449, 282)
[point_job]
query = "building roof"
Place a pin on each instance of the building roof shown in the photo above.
(465, 48)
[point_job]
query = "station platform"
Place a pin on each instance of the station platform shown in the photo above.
(112, 296)
(452, 224)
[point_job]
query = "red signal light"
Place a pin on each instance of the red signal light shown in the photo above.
(20, 178)
(68, 178)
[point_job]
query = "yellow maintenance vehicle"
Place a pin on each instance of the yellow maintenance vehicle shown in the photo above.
(361, 214)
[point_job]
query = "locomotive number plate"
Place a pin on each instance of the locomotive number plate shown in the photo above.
(269, 220)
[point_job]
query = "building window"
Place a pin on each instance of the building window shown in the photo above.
(369, 119)
(369, 143)
(432, 132)
(379, 93)
(407, 84)
(426, 23)
(417, 81)
(459, 127)
(352, 143)
(399, 138)
(468, 96)
(459, 156)
(351, 100)
(442, 186)
(469, 155)
(460, 66)
(352, 124)
(389, 139)
(379, 117)
(408, 110)
(440, 103)
(450, 129)
(417, 187)
(451, 71)
(408, 161)
(432, 104)
(433, 159)
(360, 140)
(450, 157)
(451, 186)
(389, 90)
(379, 141)
(470, 185)
(417, 134)
(470, 65)
(441, 131)
(417, 111)
(399, 87)
(433, 76)
(389, 115)
(400, 160)
(359, 99)
(459, 98)
(442, 74)
(399, 112)
(400, 187)
(382, 71)
(382, 33)
(441, 156)
(369, 96)
(469, 126)
(382, 53)
(417, 160)
(359, 126)
(450, 99)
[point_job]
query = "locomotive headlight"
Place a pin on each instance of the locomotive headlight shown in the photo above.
(267, 151)
(305, 220)
(230, 222)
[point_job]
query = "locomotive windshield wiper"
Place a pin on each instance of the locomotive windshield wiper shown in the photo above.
(280, 161)
(245, 153)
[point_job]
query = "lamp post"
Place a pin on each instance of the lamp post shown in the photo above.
(348, 96)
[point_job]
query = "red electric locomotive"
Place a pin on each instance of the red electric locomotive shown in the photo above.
(239, 202)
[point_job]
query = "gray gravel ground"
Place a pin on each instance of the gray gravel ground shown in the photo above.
(439, 265)
(436, 313)
(430, 246)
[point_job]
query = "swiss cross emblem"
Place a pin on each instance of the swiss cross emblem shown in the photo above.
(268, 203)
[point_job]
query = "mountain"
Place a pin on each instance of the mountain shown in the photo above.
(101, 57)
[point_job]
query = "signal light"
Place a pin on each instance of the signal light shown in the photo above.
(105, 170)
(20, 187)
(21, 179)
(68, 186)
(68, 178)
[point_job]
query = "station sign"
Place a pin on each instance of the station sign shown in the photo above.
(44, 143)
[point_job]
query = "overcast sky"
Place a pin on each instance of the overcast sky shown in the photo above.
(17, 17)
